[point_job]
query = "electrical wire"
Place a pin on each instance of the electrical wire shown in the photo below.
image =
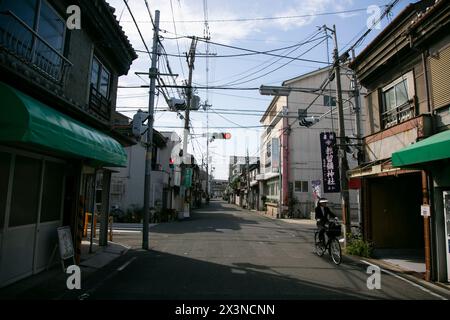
(137, 27)
(272, 61)
(270, 18)
(273, 70)
(178, 46)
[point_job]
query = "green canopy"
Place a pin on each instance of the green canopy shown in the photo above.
(436, 147)
(24, 119)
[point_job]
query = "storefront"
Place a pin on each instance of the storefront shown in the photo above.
(433, 156)
(43, 179)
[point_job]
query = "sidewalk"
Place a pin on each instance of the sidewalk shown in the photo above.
(404, 273)
(390, 266)
(51, 284)
(296, 221)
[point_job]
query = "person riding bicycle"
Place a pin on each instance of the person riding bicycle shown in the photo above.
(323, 216)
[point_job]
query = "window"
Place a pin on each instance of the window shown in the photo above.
(5, 159)
(51, 27)
(100, 77)
(301, 186)
(396, 101)
(25, 10)
(25, 191)
(396, 96)
(40, 17)
(329, 101)
(52, 191)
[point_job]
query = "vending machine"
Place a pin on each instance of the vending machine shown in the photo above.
(446, 197)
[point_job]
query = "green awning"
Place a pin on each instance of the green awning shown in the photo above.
(26, 120)
(436, 147)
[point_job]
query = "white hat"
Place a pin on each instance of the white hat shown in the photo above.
(323, 200)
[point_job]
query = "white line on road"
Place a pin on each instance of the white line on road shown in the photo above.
(126, 264)
(407, 281)
(126, 231)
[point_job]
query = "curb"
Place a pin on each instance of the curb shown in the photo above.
(402, 273)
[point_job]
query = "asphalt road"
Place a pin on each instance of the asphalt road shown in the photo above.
(223, 252)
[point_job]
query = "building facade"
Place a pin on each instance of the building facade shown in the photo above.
(58, 89)
(405, 71)
(294, 151)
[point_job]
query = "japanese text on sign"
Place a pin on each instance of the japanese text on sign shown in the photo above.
(330, 162)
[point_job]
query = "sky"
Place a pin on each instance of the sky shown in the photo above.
(289, 25)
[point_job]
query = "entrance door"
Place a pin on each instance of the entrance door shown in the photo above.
(446, 196)
(21, 219)
(31, 191)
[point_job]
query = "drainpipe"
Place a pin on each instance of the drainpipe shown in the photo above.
(426, 226)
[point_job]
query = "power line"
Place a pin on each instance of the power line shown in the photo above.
(273, 70)
(178, 46)
(271, 18)
(137, 27)
(259, 52)
(272, 61)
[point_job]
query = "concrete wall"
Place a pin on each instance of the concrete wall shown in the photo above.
(304, 143)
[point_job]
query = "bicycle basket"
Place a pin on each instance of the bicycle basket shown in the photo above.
(334, 230)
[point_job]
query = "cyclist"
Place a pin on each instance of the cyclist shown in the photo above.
(323, 216)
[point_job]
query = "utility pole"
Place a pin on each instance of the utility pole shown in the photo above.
(247, 161)
(358, 133)
(153, 73)
(190, 61)
(206, 107)
(343, 164)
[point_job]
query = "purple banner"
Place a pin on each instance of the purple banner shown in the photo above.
(330, 163)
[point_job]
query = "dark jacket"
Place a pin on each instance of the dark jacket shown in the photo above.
(328, 214)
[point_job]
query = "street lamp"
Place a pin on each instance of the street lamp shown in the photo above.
(274, 91)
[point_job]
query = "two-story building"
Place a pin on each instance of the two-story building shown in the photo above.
(127, 188)
(406, 171)
(291, 176)
(58, 91)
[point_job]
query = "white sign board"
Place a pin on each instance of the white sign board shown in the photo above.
(425, 210)
(65, 243)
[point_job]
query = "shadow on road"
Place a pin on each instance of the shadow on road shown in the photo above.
(215, 217)
(158, 275)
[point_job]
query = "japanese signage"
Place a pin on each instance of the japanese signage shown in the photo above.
(330, 162)
(425, 210)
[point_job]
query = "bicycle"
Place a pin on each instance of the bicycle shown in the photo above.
(332, 232)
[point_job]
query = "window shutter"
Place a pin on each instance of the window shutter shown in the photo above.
(440, 78)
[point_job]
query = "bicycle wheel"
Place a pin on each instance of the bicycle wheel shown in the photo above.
(320, 247)
(335, 251)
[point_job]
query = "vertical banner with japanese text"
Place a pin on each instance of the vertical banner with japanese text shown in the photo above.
(330, 162)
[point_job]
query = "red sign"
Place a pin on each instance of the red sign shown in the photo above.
(354, 183)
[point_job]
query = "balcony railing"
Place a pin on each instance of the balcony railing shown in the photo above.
(398, 115)
(18, 39)
(99, 104)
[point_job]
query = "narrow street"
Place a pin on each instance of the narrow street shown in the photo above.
(224, 252)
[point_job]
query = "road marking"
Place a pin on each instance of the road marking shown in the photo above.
(407, 281)
(127, 231)
(237, 271)
(126, 264)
